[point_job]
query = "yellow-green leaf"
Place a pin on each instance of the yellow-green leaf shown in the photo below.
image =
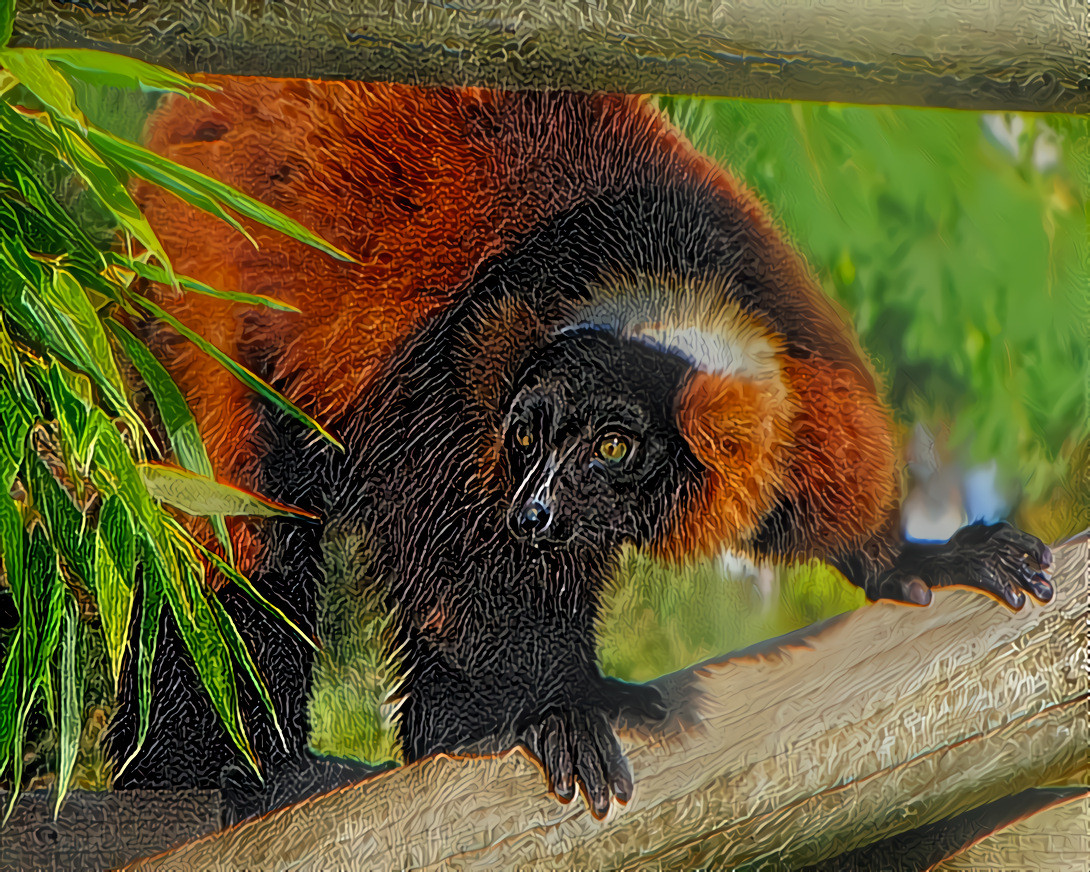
(101, 68)
(201, 495)
(47, 84)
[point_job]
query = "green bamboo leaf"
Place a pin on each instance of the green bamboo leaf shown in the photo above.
(41, 607)
(64, 522)
(189, 183)
(85, 330)
(114, 472)
(102, 178)
(53, 224)
(14, 426)
(39, 77)
(106, 184)
(70, 703)
(243, 657)
(155, 274)
(147, 643)
(118, 535)
(240, 372)
(72, 403)
(7, 20)
(114, 600)
(185, 437)
(10, 684)
(105, 69)
(197, 626)
(44, 236)
(195, 196)
(233, 575)
(174, 411)
(45, 602)
(202, 495)
(13, 370)
(53, 307)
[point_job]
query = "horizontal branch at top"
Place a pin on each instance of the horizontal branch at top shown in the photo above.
(965, 54)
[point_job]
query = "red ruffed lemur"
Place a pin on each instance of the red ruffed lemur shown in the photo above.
(567, 331)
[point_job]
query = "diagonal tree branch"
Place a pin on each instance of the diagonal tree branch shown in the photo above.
(880, 722)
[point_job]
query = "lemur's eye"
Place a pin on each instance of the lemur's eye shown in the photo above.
(524, 435)
(614, 447)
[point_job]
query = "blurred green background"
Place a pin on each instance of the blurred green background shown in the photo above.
(957, 245)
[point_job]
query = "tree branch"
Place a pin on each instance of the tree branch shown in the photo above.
(883, 721)
(1026, 54)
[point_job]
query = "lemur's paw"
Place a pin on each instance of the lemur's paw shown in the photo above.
(997, 559)
(579, 748)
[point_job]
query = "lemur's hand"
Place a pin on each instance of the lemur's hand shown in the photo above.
(578, 747)
(997, 559)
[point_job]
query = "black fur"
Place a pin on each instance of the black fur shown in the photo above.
(495, 570)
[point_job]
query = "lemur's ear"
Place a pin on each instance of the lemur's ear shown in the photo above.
(734, 409)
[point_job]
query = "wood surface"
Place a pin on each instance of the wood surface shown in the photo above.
(880, 722)
(100, 830)
(966, 54)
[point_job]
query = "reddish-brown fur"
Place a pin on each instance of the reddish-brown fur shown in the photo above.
(421, 186)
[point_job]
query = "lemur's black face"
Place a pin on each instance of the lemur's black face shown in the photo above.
(594, 456)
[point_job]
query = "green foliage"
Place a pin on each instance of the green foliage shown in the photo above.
(84, 519)
(660, 619)
(956, 242)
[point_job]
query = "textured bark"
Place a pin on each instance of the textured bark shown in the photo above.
(880, 722)
(1025, 54)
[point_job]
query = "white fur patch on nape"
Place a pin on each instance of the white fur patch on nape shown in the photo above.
(694, 319)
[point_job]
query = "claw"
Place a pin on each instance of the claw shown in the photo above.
(1040, 587)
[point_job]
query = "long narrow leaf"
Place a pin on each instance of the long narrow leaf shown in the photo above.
(147, 645)
(41, 608)
(105, 183)
(186, 182)
(185, 437)
(7, 20)
(39, 77)
(66, 235)
(44, 236)
(70, 703)
(56, 311)
(12, 367)
(202, 495)
(11, 681)
(233, 575)
(237, 646)
(14, 426)
(12, 537)
(64, 521)
(114, 597)
(199, 630)
(105, 69)
(100, 177)
(240, 372)
(174, 411)
(155, 274)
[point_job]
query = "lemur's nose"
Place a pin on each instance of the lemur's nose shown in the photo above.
(534, 518)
